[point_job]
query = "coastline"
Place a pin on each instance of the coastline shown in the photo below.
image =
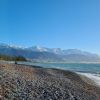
(84, 75)
(50, 80)
(88, 80)
(69, 62)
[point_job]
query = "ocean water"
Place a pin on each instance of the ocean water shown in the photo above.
(89, 70)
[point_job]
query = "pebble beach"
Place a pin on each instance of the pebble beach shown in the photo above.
(23, 82)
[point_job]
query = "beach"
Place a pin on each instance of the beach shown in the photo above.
(24, 82)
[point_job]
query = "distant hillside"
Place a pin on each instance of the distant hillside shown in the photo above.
(12, 58)
(37, 53)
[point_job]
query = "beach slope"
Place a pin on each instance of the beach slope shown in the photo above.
(22, 82)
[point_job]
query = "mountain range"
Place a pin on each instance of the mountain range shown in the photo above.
(37, 53)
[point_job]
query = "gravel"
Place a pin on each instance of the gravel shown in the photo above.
(21, 82)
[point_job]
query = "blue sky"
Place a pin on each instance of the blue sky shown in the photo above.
(51, 23)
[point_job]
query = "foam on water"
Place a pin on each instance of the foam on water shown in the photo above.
(94, 77)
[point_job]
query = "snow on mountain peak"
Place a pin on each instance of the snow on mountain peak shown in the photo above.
(38, 48)
(16, 47)
(58, 51)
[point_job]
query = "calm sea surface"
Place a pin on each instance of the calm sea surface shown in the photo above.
(76, 67)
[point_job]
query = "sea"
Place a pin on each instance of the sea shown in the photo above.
(90, 70)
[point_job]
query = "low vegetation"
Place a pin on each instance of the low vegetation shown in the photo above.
(12, 58)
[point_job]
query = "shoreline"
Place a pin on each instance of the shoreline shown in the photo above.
(81, 74)
(55, 62)
(69, 62)
(44, 83)
(88, 80)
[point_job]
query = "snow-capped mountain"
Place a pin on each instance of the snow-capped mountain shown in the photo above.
(11, 46)
(49, 54)
(38, 48)
(59, 51)
(76, 51)
(16, 47)
(44, 49)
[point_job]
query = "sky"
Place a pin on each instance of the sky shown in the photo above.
(51, 23)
